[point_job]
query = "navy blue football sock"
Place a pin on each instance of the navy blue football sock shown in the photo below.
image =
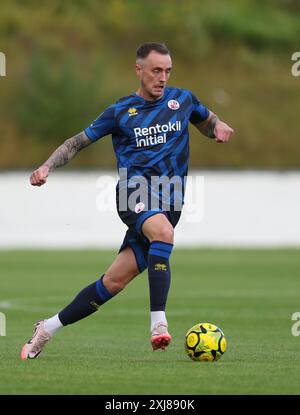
(85, 303)
(159, 274)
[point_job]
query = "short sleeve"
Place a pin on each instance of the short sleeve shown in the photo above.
(199, 111)
(103, 125)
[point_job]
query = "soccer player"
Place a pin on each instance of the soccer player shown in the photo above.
(150, 136)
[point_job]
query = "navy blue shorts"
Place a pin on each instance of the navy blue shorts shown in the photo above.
(134, 236)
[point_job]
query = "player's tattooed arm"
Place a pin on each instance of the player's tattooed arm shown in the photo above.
(60, 157)
(64, 153)
(207, 127)
(213, 127)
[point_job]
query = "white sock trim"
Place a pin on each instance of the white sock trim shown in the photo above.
(52, 325)
(157, 317)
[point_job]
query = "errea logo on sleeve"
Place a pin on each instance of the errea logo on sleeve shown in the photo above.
(132, 111)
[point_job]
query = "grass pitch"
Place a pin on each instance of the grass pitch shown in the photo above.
(250, 295)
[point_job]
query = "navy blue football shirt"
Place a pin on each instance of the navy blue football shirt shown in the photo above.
(151, 138)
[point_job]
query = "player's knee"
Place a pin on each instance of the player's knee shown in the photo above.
(116, 286)
(115, 283)
(165, 234)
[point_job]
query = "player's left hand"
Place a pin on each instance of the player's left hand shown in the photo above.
(222, 132)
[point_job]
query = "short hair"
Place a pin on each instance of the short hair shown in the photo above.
(145, 48)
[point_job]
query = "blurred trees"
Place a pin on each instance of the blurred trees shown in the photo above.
(68, 60)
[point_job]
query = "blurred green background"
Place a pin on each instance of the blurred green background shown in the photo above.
(68, 60)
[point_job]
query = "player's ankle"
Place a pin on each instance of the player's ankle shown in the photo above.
(52, 325)
(158, 317)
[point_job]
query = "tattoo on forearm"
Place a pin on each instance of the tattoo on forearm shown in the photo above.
(64, 153)
(208, 129)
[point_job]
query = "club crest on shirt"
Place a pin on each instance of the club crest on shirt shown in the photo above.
(173, 104)
(139, 207)
(132, 111)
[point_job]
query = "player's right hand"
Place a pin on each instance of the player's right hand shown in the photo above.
(39, 176)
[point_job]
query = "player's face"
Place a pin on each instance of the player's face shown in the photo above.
(153, 72)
